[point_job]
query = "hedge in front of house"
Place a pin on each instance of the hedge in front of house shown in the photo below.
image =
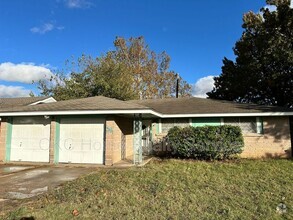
(208, 142)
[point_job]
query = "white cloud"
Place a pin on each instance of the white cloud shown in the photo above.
(44, 28)
(202, 86)
(78, 3)
(13, 91)
(291, 5)
(23, 72)
(271, 7)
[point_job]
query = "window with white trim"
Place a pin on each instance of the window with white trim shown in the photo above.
(247, 124)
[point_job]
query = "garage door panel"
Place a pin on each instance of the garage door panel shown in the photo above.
(81, 140)
(30, 139)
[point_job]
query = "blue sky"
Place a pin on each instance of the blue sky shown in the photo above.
(37, 36)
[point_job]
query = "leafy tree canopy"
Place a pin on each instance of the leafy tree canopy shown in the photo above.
(131, 71)
(263, 70)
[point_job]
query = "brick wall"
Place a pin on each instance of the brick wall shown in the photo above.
(52, 140)
(110, 126)
(126, 127)
(274, 142)
(113, 142)
(3, 126)
(115, 128)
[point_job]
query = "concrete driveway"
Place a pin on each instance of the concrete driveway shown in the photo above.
(22, 182)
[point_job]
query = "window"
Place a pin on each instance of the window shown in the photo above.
(247, 124)
(200, 122)
(168, 123)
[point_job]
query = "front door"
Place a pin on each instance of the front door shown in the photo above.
(146, 137)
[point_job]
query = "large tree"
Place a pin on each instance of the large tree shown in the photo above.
(131, 71)
(263, 70)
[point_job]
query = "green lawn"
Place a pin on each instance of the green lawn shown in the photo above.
(173, 189)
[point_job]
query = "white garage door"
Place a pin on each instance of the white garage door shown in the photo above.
(81, 140)
(30, 139)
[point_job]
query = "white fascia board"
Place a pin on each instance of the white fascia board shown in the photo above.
(47, 100)
(143, 111)
(227, 115)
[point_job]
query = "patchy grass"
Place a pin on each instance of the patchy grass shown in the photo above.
(173, 189)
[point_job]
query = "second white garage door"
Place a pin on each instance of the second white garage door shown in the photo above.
(81, 140)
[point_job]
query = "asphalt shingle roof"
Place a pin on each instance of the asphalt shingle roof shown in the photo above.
(193, 105)
(22, 101)
(91, 103)
(168, 106)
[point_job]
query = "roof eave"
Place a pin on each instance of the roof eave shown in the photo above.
(249, 114)
(79, 112)
(142, 111)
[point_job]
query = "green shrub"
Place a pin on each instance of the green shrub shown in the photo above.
(209, 142)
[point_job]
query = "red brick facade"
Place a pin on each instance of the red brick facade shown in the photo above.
(3, 133)
(274, 142)
(115, 129)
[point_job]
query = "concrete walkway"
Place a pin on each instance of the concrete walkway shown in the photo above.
(6, 170)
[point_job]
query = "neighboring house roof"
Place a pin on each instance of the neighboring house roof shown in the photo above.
(97, 103)
(193, 105)
(24, 101)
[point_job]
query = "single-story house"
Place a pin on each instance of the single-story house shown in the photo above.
(100, 130)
